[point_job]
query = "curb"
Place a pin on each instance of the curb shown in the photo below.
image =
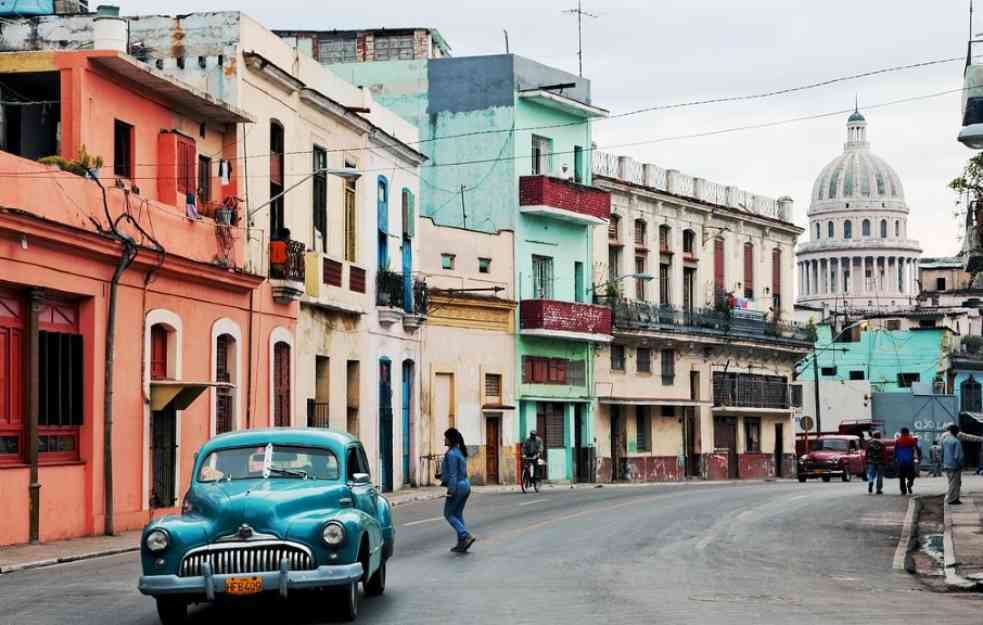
(24, 566)
(903, 560)
(952, 578)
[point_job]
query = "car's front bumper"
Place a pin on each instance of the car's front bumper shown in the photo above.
(209, 584)
(809, 472)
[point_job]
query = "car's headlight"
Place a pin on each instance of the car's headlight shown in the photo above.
(803, 458)
(157, 541)
(333, 534)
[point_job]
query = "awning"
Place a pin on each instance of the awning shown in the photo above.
(494, 407)
(751, 411)
(177, 394)
(644, 401)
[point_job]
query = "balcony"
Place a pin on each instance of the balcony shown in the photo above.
(287, 270)
(738, 324)
(566, 320)
(563, 199)
(749, 390)
(401, 300)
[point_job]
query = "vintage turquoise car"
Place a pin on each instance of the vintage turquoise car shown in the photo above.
(271, 511)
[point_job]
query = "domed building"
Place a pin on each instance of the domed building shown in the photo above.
(859, 255)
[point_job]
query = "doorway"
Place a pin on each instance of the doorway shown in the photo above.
(618, 442)
(493, 428)
(779, 448)
(725, 437)
(580, 460)
(163, 451)
(386, 424)
(408, 375)
(690, 435)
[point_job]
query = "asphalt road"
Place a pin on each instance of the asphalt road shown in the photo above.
(776, 553)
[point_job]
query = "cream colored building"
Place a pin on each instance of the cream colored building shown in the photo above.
(469, 350)
(699, 277)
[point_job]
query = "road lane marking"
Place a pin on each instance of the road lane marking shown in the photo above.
(529, 503)
(422, 521)
(744, 515)
(797, 497)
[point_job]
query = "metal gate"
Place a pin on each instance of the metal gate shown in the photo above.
(163, 451)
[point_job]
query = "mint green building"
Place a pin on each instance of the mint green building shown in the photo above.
(509, 147)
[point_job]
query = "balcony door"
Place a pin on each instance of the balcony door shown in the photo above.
(542, 277)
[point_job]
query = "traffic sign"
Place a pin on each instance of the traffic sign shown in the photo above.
(806, 423)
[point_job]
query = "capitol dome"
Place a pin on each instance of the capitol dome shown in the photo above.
(858, 255)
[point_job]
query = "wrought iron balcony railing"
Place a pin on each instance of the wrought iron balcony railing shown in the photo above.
(749, 390)
(392, 292)
(287, 260)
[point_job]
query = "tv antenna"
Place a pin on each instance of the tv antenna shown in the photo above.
(580, 13)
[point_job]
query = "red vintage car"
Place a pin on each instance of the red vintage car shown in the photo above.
(832, 455)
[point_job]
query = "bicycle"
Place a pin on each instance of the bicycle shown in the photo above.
(530, 476)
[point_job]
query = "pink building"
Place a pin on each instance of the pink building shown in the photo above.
(202, 345)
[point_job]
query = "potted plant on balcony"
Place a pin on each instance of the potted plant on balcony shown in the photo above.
(85, 165)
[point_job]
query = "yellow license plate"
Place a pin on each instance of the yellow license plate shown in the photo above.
(243, 585)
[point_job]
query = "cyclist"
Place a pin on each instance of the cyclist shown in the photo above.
(532, 451)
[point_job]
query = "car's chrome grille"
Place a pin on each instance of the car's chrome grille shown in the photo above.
(246, 557)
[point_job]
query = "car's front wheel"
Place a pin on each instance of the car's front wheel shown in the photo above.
(348, 602)
(802, 478)
(847, 476)
(377, 583)
(172, 611)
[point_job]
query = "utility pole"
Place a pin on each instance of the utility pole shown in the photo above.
(815, 390)
(464, 212)
(580, 13)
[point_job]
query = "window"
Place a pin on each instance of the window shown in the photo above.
(883, 228)
(817, 231)
(827, 371)
(643, 438)
(320, 199)
(897, 228)
(668, 411)
(542, 277)
(614, 263)
(579, 175)
(204, 179)
(350, 218)
(857, 375)
(352, 396)
(905, 380)
(830, 231)
(613, 224)
(971, 398)
(447, 261)
(718, 266)
(748, 270)
(225, 420)
(640, 228)
(493, 388)
(382, 205)
(865, 228)
(281, 384)
(644, 360)
(577, 373)
(848, 229)
(893, 324)
(243, 463)
(665, 239)
(542, 156)
(940, 284)
(60, 385)
(186, 179)
(618, 357)
(689, 285)
(752, 435)
(276, 178)
(122, 149)
(557, 371)
(484, 265)
(796, 395)
(664, 285)
(578, 282)
(668, 366)
(689, 242)
(639, 282)
(542, 370)
(158, 352)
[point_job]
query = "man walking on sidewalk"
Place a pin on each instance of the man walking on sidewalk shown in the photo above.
(905, 452)
(875, 464)
(952, 464)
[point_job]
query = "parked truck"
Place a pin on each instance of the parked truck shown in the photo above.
(842, 453)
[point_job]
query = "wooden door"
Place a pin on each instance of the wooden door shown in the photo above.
(718, 266)
(281, 384)
(492, 429)
(725, 437)
(779, 448)
(163, 452)
(158, 352)
(618, 442)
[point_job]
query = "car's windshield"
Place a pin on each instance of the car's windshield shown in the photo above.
(269, 461)
(832, 444)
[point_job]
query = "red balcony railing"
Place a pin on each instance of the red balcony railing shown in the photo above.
(551, 315)
(579, 200)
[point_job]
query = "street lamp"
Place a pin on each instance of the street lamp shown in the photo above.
(644, 276)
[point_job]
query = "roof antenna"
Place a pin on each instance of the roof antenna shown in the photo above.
(506, 40)
(856, 103)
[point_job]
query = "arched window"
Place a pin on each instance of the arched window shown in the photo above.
(281, 384)
(749, 270)
(883, 228)
(830, 230)
(970, 395)
(641, 233)
(847, 229)
(817, 231)
(665, 238)
(225, 364)
(865, 228)
(897, 228)
(689, 242)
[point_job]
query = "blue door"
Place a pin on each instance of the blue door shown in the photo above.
(407, 425)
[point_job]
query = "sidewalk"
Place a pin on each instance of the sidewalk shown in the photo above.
(963, 541)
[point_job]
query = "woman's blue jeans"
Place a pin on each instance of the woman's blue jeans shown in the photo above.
(454, 511)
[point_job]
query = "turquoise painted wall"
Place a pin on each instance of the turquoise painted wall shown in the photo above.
(564, 129)
(881, 355)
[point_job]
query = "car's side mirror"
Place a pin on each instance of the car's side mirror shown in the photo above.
(360, 479)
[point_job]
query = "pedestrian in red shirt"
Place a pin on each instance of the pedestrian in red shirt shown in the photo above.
(905, 452)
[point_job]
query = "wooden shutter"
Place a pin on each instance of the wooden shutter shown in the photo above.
(185, 167)
(776, 272)
(526, 370)
(158, 353)
(540, 370)
(409, 215)
(718, 264)
(748, 270)
(281, 384)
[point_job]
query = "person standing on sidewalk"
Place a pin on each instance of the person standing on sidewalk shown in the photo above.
(905, 452)
(875, 464)
(455, 477)
(952, 464)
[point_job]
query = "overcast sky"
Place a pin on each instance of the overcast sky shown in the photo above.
(655, 52)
